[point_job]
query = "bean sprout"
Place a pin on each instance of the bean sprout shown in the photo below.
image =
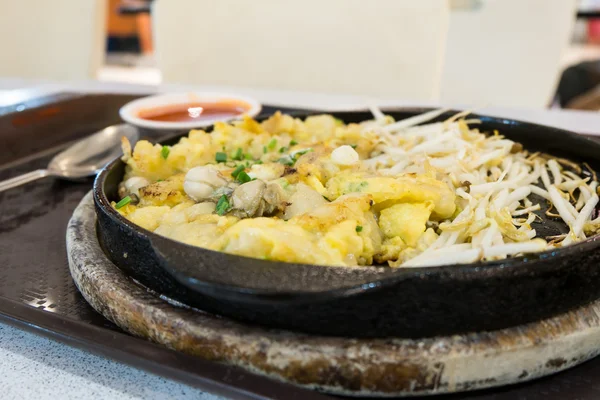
(494, 180)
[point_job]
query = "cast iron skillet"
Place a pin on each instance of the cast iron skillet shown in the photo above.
(371, 301)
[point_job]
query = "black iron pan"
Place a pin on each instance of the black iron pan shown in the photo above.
(370, 301)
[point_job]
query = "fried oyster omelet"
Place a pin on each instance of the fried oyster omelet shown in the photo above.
(284, 189)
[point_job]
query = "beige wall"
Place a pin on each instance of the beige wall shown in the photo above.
(383, 48)
(58, 39)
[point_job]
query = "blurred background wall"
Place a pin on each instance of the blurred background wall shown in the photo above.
(58, 39)
(520, 53)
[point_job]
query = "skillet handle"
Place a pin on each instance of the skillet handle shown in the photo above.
(229, 276)
(204, 271)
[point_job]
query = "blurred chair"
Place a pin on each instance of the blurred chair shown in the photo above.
(505, 52)
(57, 39)
(379, 48)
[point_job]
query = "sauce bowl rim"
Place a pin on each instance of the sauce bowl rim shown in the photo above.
(130, 110)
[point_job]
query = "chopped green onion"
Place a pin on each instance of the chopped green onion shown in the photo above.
(248, 156)
(287, 160)
(124, 201)
(283, 149)
(243, 177)
(354, 146)
(222, 205)
(293, 142)
(358, 228)
(325, 197)
(299, 153)
(238, 154)
(272, 144)
(265, 149)
(164, 152)
(237, 171)
(220, 157)
(258, 162)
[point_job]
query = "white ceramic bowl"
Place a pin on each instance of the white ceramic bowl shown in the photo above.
(130, 111)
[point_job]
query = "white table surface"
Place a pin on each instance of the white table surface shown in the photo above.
(35, 367)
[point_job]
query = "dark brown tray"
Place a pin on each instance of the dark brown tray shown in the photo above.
(37, 293)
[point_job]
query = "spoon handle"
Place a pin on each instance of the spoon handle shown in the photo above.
(23, 179)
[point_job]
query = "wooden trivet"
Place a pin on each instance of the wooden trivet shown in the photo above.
(356, 367)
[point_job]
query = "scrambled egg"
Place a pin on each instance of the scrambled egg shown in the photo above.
(283, 189)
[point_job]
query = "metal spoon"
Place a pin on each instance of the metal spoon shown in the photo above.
(82, 159)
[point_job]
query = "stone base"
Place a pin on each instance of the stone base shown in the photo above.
(346, 366)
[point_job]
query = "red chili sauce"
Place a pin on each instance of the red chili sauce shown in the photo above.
(195, 111)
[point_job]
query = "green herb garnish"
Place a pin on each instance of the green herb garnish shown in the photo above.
(248, 156)
(358, 228)
(354, 146)
(222, 205)
(265, 149)
(293, 142)
(164, 152)
(220, 157)
(237, 171)
(287, 160)
(272, 144)
(299, 153)
(243, 177)
(124, 201)
(238, 154)
(283, 149)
